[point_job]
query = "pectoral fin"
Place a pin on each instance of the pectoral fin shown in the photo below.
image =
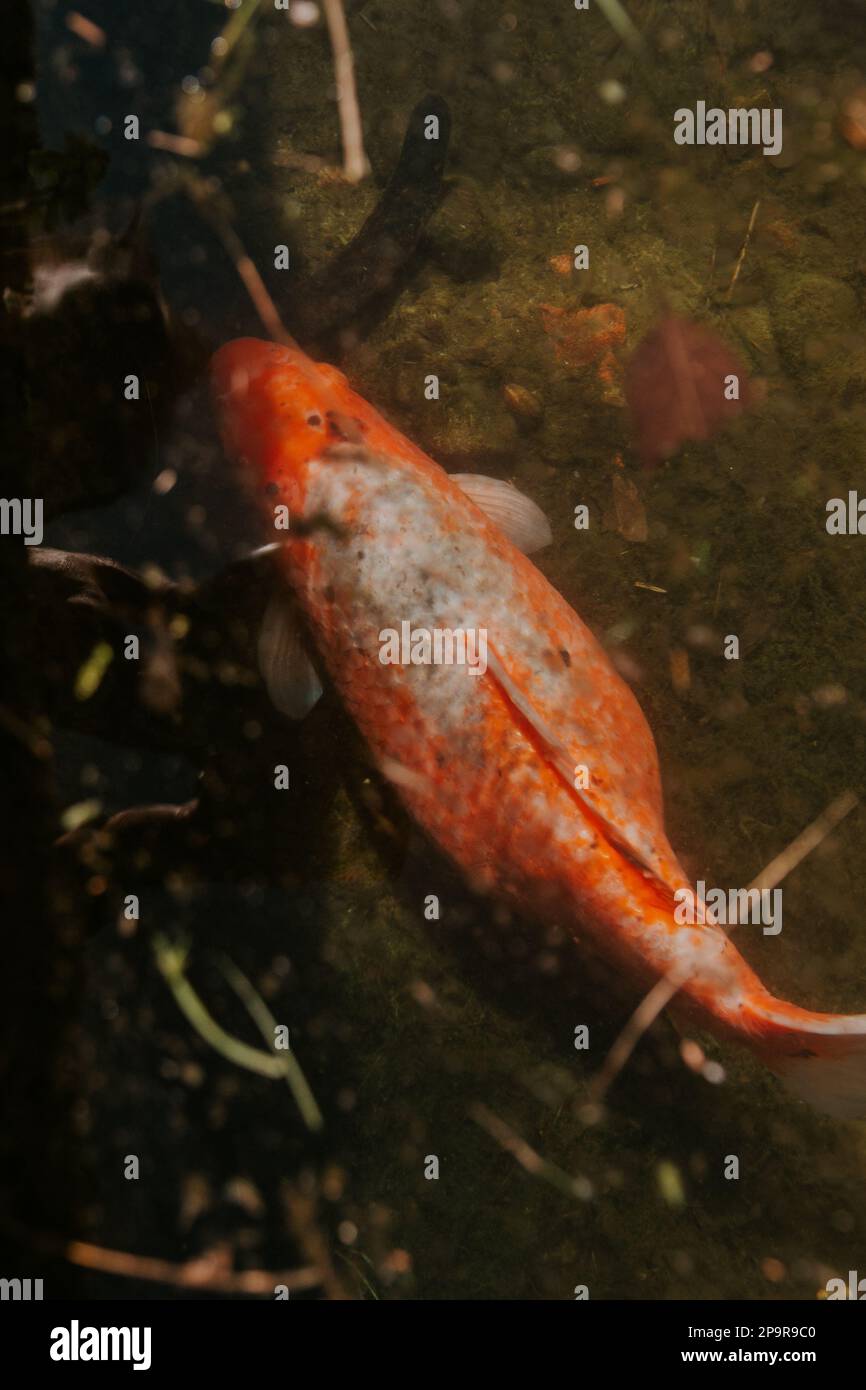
(523, 522)
(288, 673)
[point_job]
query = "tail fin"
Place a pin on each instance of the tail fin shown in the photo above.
(821, 1058)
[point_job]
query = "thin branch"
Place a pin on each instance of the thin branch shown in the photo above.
(355, 164)
(208, 1271)
(85, 29)
(202, 195)
(744, 248)
(243, 263)
(513, 1143)
(805, 842)
(643, 1018)
(182, 145)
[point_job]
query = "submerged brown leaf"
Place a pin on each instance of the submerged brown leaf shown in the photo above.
(678, 385)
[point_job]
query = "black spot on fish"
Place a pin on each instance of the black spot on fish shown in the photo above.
(271, 490)
(329, 594)
(566, 656)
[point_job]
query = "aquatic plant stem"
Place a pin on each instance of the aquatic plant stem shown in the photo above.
(619, 20)
(266, 1023)
(171, 960)
(355, 164)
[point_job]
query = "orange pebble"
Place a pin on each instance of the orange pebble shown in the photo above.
(852, 119)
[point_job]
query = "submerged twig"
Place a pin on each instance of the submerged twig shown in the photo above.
(207, 1271)
(85, 29)
(805, 842)
(355, 164)
(643, 1018)
(513, 1143)
(183, 145)
(200, 194)
(743, 249)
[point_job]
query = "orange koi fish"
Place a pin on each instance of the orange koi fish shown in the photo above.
(529, 762)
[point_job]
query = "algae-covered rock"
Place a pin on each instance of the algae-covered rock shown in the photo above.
(752, 325)
(460, 238)
(816, 320)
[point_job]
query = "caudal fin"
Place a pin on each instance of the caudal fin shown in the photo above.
(821, 1058)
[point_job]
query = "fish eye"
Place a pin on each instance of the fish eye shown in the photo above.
(314, 420)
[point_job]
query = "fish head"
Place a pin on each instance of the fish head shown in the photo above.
(277, 410)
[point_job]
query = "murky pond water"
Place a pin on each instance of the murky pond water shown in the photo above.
(454, 1039)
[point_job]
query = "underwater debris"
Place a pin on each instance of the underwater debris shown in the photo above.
(529, 1159)
(523, 404)
(89, 677)
(209, 1271)
(681, 676)
(203, 114)
(213, 209)
(743, 249)
(85, 29)
(585, 337)
(670, 1184)
(631, 522)
(682, 383)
